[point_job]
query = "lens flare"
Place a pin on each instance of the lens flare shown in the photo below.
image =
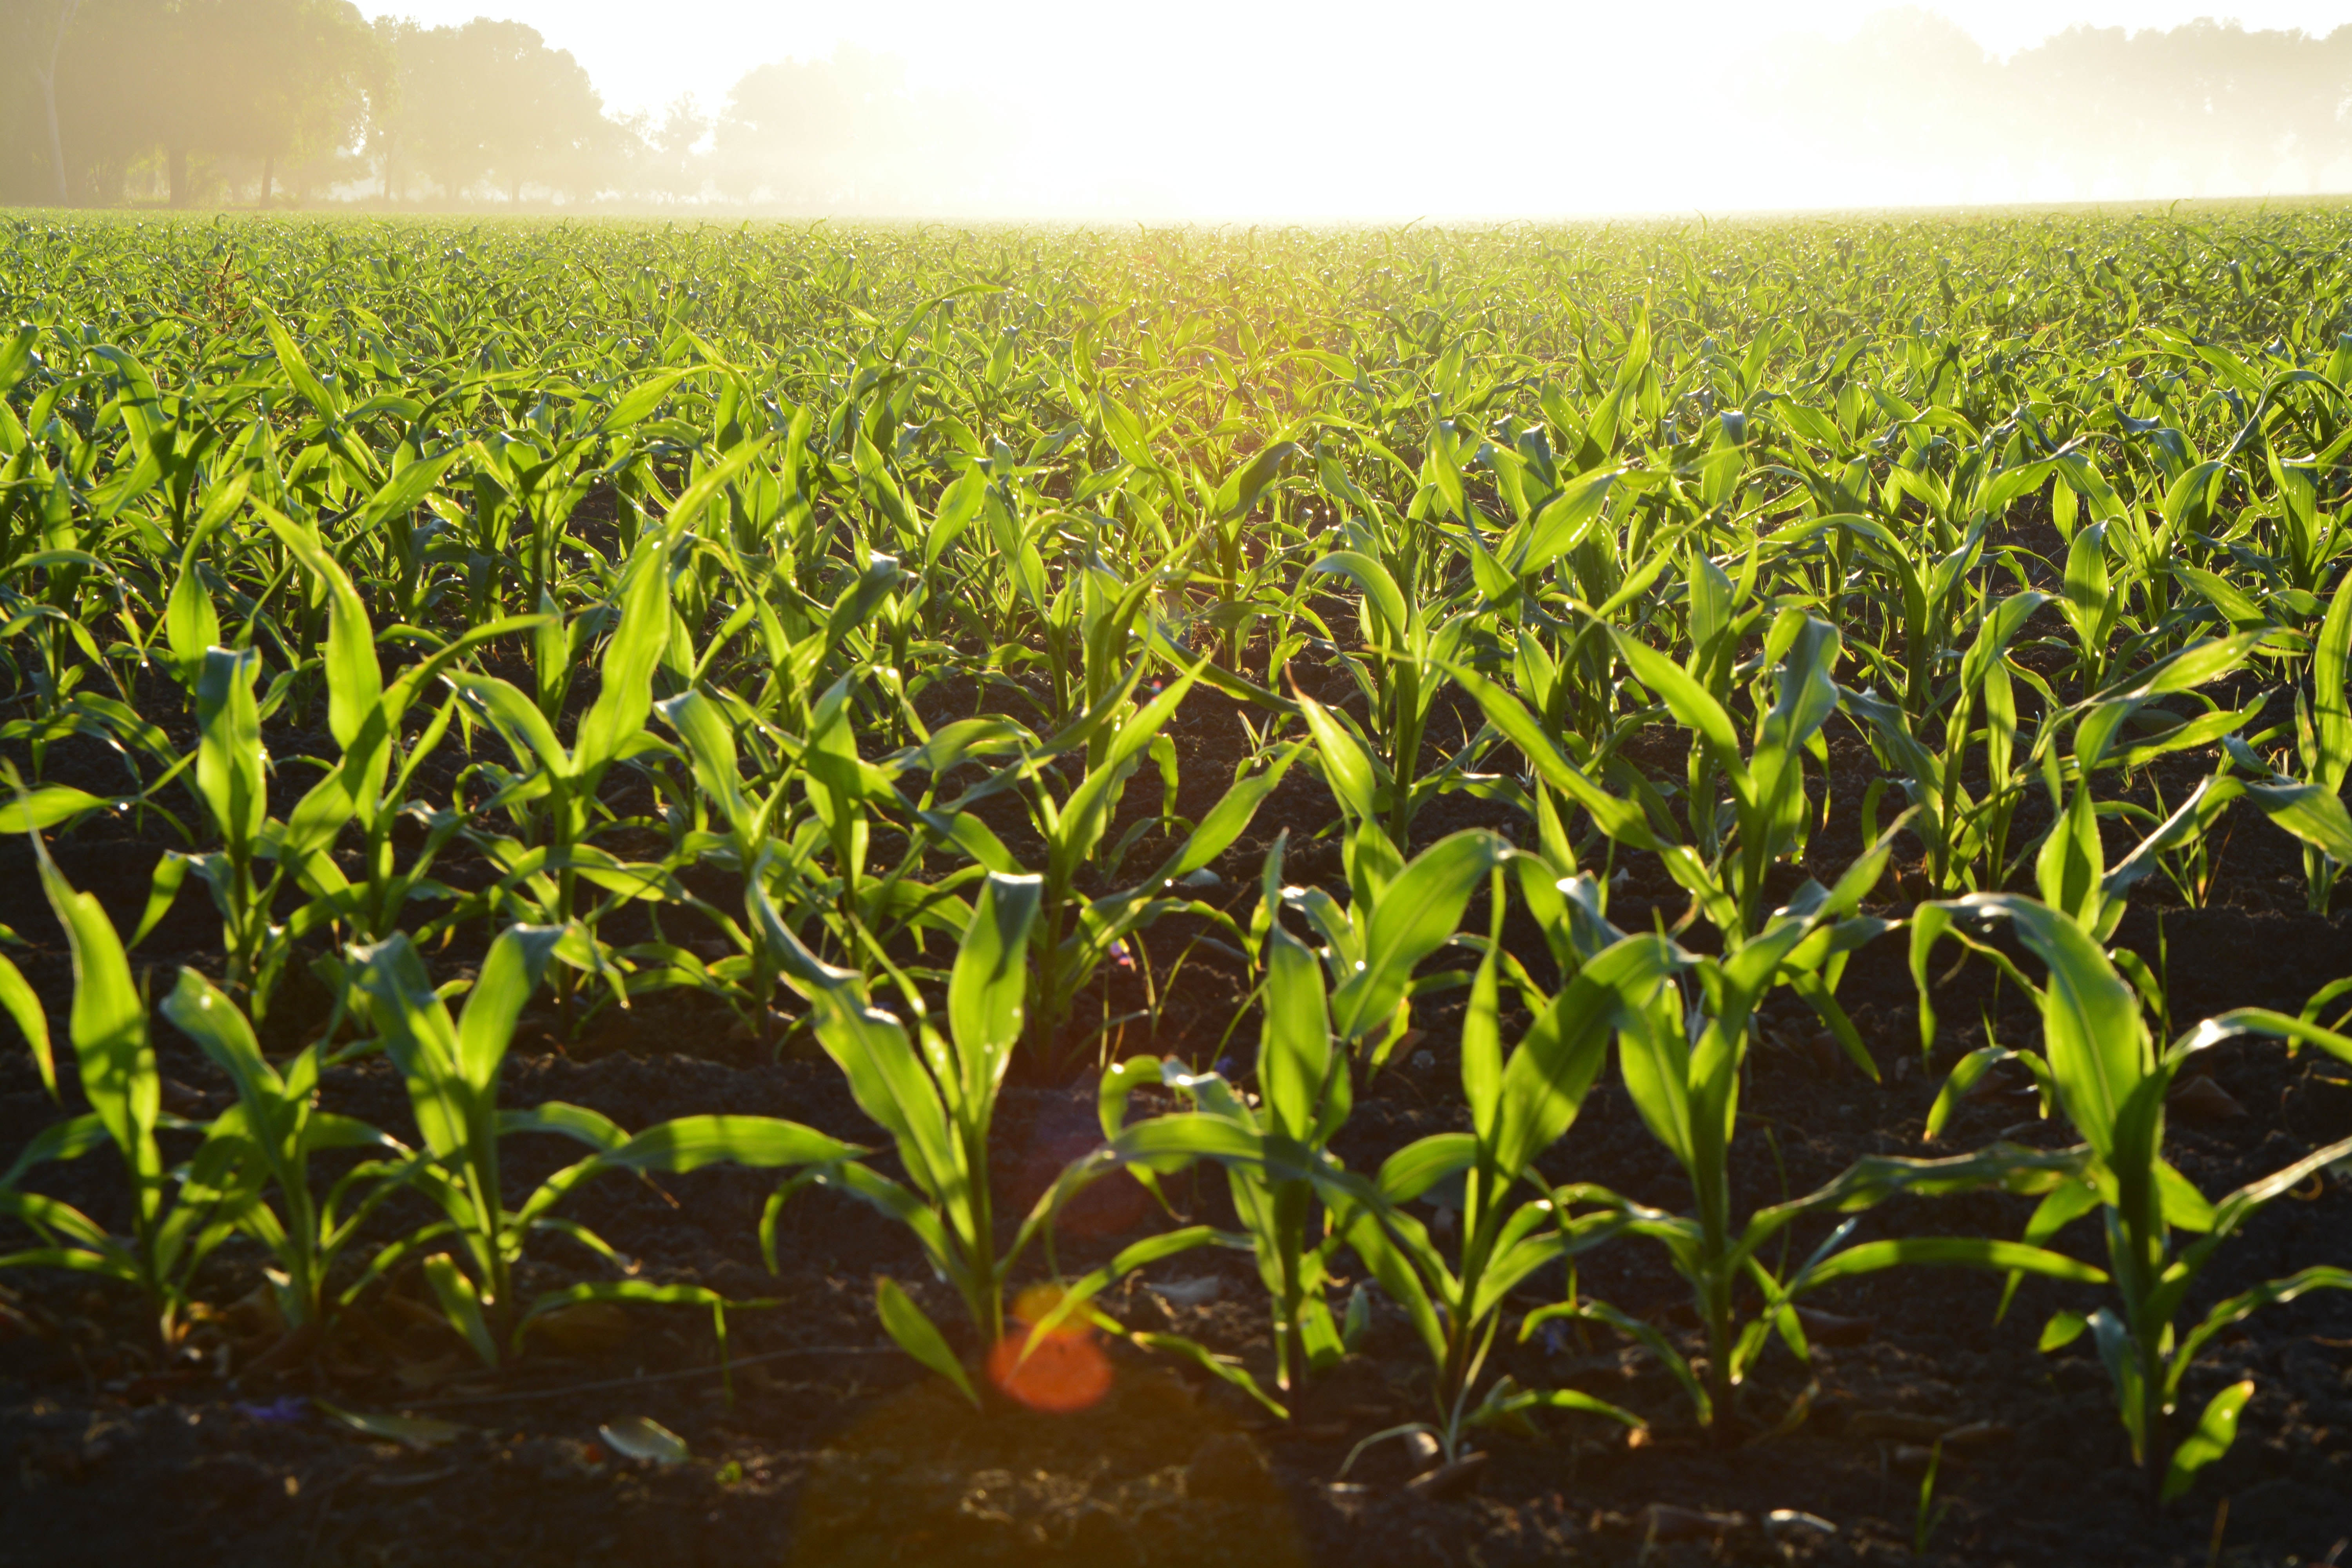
(1062, 1371)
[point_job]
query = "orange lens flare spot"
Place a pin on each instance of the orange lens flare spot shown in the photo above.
(1064, 1371)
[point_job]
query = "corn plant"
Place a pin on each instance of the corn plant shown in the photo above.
(2312, 791)
(231, 770)
(369, 787)
(1306, 1091)
(1408, 645)
(1073, 933)
(2102, 1068)
(179, 1214)
(279, 1128)
(1960, 831)
(451, 1070)
(1768, 807)
(1680, 1051)
(559, 789)
(1520, 1104)
(1398, 912)
(936, 1100)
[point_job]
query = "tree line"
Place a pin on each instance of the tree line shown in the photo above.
(186, 102)
(2207, 108)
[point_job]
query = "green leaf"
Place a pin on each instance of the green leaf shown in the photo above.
(989, 985)
(518, 720)
(199, 1010)
(25, 1007)
(638, 402)
(1380, 590)
(1229, 1369)
(1295, 1039)
(696, 495)
(2062, 1329)
(1347, 769)
(162, 891)
(1620, 819)
(2206, 659)
(1500, 1403)
(108, 1025)
(354, 681)
(298, 369)
(2093, 1031)
(625, 696)
(418, 1432)
(1239, 494)
(1686, 699)
(510, 974)
(1545, 1082)
(1948, 1251)
(421, 1040)
(642, 1438)
(2217, 1428)
(229, 758)
(461, 1304)
(689, 1142)
(2312, 812)
(919, 1337)
(1563, 522)
(1416, 914)
(2331, 675)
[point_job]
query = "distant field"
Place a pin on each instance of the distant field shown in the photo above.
(1035, 887)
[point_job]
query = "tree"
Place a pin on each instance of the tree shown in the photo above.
(490, 100)
(281, 78)
(848, 135)
(2185, 107)
(839, 132)
(673, 168)
(40, 31)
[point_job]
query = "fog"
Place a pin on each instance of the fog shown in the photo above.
(1224, 110)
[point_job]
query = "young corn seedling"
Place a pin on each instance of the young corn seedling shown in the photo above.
(1768, 807)
(1519, 1105)
(1681, 1057)
(2104, 1070)
(451, 1070)
(178, 1214)
(1073, 933)
(937, 1102)
(2323, 750)
(936, 1096)
(232, 779)
(1304, 1093)
(2070, 862)
(369, 788)
(558, 786)
(279, 1123)
(1960, 831)
(1398, 913)
(1401, 674)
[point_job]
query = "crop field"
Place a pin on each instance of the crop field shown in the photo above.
(1651, 894)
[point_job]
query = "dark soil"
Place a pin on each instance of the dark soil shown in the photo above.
(832, 1447)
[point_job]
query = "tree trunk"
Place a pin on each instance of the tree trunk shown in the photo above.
(48, 80)
(268, 163)
(175, 158)
(57, 142)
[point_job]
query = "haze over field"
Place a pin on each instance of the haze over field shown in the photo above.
(1235, 108)
(1272, 107)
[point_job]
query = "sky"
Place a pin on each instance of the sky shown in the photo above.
(1244, 109)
